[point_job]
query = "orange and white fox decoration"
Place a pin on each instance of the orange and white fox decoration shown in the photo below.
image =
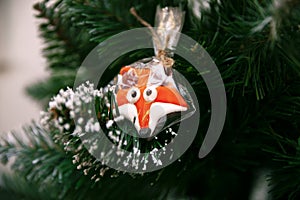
(146, 90)
(145, 94)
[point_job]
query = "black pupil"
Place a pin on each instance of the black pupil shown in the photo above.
(148, 92)
(133, 94)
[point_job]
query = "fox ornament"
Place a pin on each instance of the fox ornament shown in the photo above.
(146, 91)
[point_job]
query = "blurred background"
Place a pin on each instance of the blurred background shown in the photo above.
(21, 63)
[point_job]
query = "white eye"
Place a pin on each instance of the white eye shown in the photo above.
(150, 94)
(133, 95)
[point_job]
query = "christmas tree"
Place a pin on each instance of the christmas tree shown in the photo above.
(254, 44)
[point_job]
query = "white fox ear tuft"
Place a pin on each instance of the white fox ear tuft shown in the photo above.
(158, 110)
(129, 112)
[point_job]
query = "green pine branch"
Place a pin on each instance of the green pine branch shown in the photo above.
(255, 45)
(240, 36)
(41, 164)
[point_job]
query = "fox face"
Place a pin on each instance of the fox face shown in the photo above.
(144, 104)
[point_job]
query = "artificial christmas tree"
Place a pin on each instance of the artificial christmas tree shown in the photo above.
(255, 45)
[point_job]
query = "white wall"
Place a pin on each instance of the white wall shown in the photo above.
(21, 63)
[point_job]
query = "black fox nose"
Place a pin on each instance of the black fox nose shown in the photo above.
(145, 132)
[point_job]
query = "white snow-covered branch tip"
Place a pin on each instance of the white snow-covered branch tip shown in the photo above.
(82, 97)
(274, 18)
(73, 102)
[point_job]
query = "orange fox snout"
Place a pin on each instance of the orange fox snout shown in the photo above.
(144, 106)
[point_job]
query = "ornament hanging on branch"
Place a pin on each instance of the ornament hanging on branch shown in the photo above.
(149, 94)
(147, 91)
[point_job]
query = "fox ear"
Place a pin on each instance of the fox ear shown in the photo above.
(170, 95)
(124, 69)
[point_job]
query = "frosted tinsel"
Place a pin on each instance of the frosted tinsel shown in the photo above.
(65, 114)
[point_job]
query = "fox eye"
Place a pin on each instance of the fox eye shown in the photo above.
(133, 95)
(150, 94)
